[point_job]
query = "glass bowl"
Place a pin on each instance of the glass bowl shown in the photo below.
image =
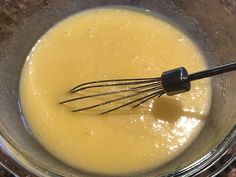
(210, 23)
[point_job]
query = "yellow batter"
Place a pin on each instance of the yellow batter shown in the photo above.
(110, 44)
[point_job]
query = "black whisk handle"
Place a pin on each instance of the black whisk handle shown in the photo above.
(175, 81)
(178, 80)
(213, 71)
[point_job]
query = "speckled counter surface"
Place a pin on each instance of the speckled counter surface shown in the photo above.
(13, 10)
(5, 173)
(230, 171)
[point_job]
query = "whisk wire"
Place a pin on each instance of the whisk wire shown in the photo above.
(147, 97)
(110, 93)
(117, 82)
(159, 94)
(117, 99)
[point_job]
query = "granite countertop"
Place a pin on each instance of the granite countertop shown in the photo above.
(5, 173)
(12, 10)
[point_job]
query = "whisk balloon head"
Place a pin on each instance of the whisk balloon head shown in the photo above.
(130, 92)
(123, 92)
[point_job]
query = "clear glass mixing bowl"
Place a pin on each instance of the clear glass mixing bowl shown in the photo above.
(211, 23)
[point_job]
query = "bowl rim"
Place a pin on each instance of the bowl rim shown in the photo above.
(14, 158)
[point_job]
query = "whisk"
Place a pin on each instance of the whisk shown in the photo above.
(141, 90)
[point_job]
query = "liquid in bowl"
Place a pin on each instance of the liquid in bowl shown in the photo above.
(110, 43)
